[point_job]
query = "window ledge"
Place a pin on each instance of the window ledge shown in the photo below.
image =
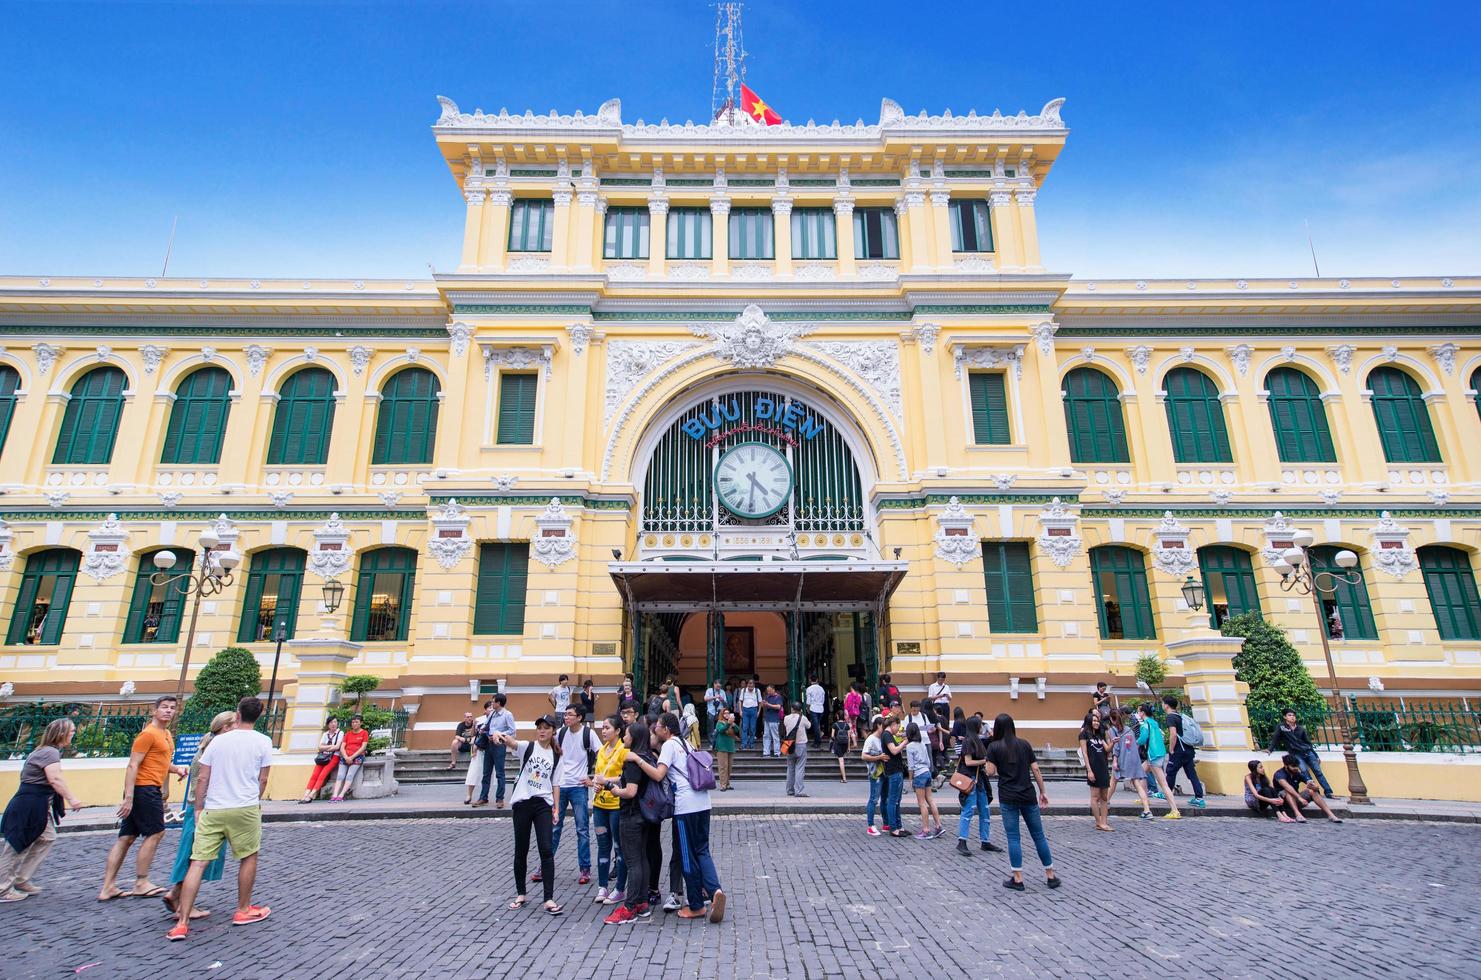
(511, 447)
(293, 476)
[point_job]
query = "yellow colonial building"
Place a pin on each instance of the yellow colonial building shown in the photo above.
(728, 399)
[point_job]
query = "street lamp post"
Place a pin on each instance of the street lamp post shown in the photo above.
(213, 575)
(1296, 574)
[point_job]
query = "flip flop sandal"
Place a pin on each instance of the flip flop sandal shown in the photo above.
(554, 910)
(518, 903)
(115, 895)
(154, 892)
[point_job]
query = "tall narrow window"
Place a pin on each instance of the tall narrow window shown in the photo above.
(274, 584)
(197, 426)
(1347, 612)
(813, 234)
(1299, 418)
(90, 423)
(1196, 418)
(1010, 588)
(626, 235)
(41, 605)
(1228, 583)
(10, 383)
(303, 420)
(406, 421)
(383, 594)
(1451, 583)
(499, 603)
(154, 612)
(531, 225)
(875, 234)
(989, 408)
(971, 226)
(1122, 602)
(517, 391)
(1092, 413)
(689, 231)
(1475, 391)
(1403, 418)
(751, 234)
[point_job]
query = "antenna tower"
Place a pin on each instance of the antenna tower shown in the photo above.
(730, 61)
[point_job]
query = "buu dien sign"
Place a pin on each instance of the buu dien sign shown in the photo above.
(787, 419)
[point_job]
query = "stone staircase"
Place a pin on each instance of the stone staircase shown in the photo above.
(430, 767)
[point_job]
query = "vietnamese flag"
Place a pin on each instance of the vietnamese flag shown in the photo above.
(756, 109)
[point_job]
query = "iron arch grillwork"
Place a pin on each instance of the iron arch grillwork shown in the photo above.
(679, 488)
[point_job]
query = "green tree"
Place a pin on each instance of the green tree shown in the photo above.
(1272, 668)
(372, 715)
(232, 674)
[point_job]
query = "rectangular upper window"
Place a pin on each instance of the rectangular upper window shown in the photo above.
(689, 233)
(875, 234)
(971, 226)
(516, 423)
(626, 234)
(499, 601)
(751, 234)
(531, 225)
(989, 408)
(813, 234)
(1010, 588)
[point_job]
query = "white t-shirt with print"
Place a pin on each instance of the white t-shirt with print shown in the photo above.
(686, 799)
(573, 767)
(562, 698)
(236, 758)
(815, 698)
(534, 777)
(872, 746)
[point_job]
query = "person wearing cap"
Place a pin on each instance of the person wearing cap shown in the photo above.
(533, 808)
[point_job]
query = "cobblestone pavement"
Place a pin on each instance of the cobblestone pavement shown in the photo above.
(808, 897)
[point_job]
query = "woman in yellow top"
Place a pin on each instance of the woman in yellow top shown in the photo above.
(604, 814)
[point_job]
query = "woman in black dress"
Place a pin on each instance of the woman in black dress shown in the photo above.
(842, 741)
(1095, 756)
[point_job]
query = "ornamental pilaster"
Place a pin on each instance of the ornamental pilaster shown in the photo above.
(1059, 535)
(107, 552)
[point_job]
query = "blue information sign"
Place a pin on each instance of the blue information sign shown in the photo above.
(185, 748)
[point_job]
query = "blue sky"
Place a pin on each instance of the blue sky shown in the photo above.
(292, 138)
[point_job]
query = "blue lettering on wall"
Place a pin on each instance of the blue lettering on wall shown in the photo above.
(791, 415)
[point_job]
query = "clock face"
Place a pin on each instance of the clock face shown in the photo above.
(753, 480)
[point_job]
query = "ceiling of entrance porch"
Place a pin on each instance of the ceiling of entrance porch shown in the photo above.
(818, 585)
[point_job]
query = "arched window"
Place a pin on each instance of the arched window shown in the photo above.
(274, 583)
(1299, 418)
(406, 423)
(1451, 583)
(1347, 612)
(1092, 413)
(154, 613)
(1196, 418)
(41, 605)
(383, 594)
(90, 423)
(10, 381)
(1476, 392)
(198, 418)
(1403, 418)
(1122, 603)
(1228, 583)
(302, 422)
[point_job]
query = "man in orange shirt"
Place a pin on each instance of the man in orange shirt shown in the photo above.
(145, 789)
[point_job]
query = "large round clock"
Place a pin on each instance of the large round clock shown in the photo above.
(753, 480)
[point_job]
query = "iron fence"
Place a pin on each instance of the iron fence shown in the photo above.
(1383, 726)
(106, 731)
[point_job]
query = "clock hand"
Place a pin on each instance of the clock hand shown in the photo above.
(757, 487)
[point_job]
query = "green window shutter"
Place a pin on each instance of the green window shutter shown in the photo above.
(1403, 418)
(814, 234)
(1011, 606)
(281, 569)
(1092, 409)
(406, 419)
(197, 426)
(10, 382)
(531, 225)
(303, 420)
(689, 233)
(989, 409)
(751, 234)
(1122, 601)
(1451, 584)
(1228, 583)
(45, 593)
(499, 601)
(1299, 418)
(1476, 396)
(162, 605)
(90, 423)
(1350, 601)
(1195, 417)
(626, 233)
(517, 391)
(390, 572)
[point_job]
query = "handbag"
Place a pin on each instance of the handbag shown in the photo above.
(322, 759)
(790, 742)
(962, 782)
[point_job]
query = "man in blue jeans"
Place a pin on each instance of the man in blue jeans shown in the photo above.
(1181, 757)
(1291, 735)
(578, 745)
(749, 700)
(500, 721)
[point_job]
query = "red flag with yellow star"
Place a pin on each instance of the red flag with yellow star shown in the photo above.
(753, 106)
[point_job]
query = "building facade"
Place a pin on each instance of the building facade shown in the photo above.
(719, 400)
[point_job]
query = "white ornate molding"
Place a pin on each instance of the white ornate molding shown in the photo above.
(968, 355)
(581, 335)
(331, 555)
(1279, 535)
(955, 542)
(626, 271)
(1240, 354)
(518, 358)
(7, 554)
(1391, 552)
(108, 552)
(814, 272)
(878, 273)
(281, 498)
(1170, 552)
(1221, 497)
(1044, 336)
(925, 334)
(688, 271)
(360, 358)
(46, 357)
(1141, 357)
(459, 334)
(450, 542)
(554, 544)
(152, 355)
(1331, 497)
(1004, 481)
(528, 263)
(170, 498)
(1341, 355)
(57, 498)
(1059, 535)
(390, 498)
(630, 361)
(1444, 355)
(1114, 496)
(505, 482)
(257, 356)
(876, 362)
(974, 264)
(752, 339)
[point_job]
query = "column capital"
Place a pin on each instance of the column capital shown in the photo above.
(843, 205)
(940, 199)
(658, 204)
(501, 198)
(719, 206)
(781, 205)
(474, 195)
(1025, 199)
(1000, 199)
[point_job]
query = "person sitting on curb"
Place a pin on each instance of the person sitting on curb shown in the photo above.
(1288, 779)
(351, 758)
(1263, 798)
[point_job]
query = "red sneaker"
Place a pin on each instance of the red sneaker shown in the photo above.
(619, 915)
(254, 913)
(178, 933)
(585, 878)
(537, 877)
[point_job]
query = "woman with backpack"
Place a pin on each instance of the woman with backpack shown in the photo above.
(692, 778)
(843, 740)
(533, 808)
(873, 756)
(973, 788)
(1126, 757)
(853, 704)
(1095, 756)
(794, 747)
(1151, 739)
(918, 755)
(631, 827)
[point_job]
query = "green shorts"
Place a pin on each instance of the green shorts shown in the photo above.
(242, 826)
